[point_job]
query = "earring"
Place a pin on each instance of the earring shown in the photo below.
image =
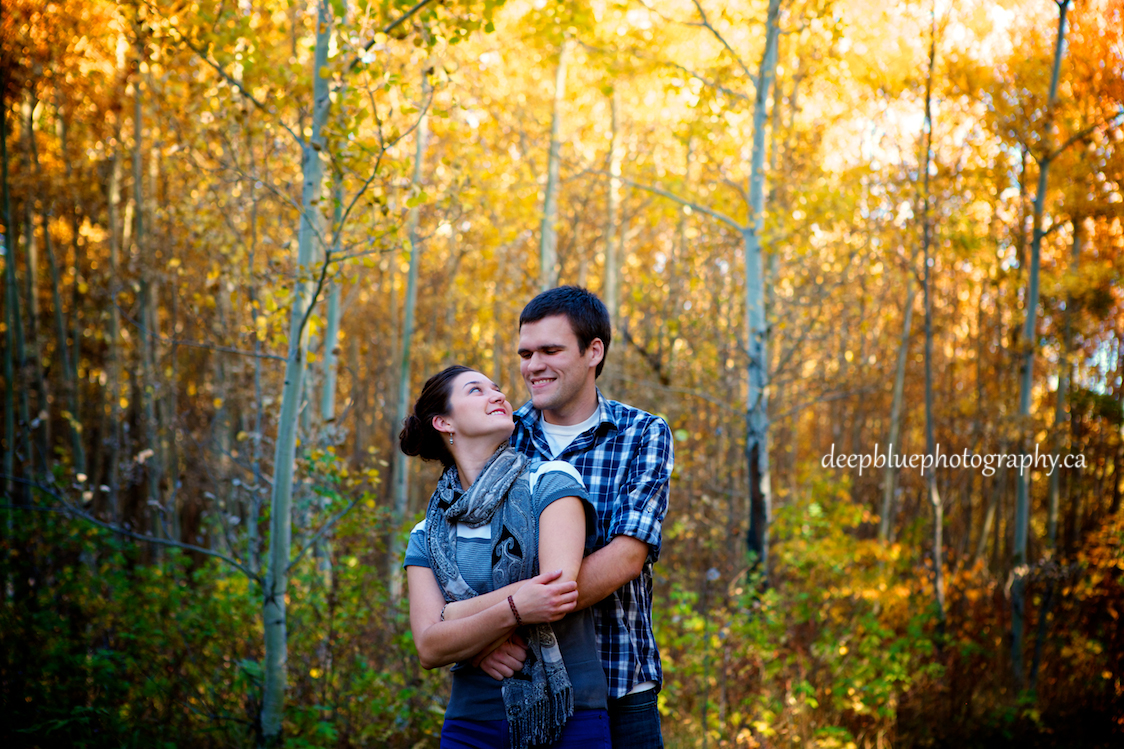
(450, 439)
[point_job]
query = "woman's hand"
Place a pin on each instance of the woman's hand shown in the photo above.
(545, 598)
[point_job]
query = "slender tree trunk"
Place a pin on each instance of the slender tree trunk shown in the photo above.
(330, 356)
(113, 342)
(401, 466)
(145, 313)
(756, 336)
(1022, 498)
(281, 500)
(69, 385)
(40, 457)
(1057, 449)
(19, 445)
(613, 224)
(11, 320)
(1061, 411)
(548, 236)
(70, 354)
(930, 435)
(890, 475)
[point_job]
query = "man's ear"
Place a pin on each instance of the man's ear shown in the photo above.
(597, 347)
(442, 424)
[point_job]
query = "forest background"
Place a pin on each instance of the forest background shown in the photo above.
(239, 234)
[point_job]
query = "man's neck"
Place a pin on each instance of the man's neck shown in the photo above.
(575, 412)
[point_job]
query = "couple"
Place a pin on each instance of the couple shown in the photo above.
(532, 570)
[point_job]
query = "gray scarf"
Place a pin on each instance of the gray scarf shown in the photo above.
(538, 699)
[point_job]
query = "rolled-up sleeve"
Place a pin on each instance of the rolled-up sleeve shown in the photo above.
(643, 496)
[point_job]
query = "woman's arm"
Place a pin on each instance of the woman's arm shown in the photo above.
(440, 643)
(562, 538)
(560, 550)
(560, 546)
(556, 596)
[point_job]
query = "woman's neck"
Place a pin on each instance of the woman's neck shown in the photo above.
(471, 457)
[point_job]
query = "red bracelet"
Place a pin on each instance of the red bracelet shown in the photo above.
(511, 602)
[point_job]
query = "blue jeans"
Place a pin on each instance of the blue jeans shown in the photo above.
(586, 729)
(634, 721)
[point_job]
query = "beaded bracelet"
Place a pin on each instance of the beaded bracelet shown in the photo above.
(511, 602)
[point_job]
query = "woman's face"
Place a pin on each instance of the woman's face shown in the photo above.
(477, 408)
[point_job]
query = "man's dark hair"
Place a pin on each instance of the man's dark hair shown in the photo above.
(587, 314)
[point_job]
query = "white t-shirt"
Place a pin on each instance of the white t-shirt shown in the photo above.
(559, 437)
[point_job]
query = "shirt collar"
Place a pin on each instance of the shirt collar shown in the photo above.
(530, 416)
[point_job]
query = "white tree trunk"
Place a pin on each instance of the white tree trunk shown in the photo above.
(548, 236)
(613, 235)
(757, 370)
(1022, 496)
(281, 501)
(890, 475)
(401, 465)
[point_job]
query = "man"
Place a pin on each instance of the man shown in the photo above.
(624, 456)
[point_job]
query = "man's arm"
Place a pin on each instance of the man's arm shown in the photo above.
(609, 568)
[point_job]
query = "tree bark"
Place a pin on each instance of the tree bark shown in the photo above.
(11, 319)
(146, 313)
(281, 499)
(113, 342)
(401, 464)
(40, 424)
(613, 234)
(71, 354)
(756, 338)
(1022, 497)
(19, 441)
(548, 235)
(890, 475)
(930, 428)
(329, 359)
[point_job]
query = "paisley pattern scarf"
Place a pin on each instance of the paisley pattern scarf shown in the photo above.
(538, 699)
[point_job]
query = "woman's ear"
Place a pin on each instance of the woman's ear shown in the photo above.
(442, 424)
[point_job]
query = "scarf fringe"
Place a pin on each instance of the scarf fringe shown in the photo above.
(543, 722)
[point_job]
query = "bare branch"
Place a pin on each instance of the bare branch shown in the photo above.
(1081, 135)
(671, 64)
(320, 533)
(75, 512)
(673, 197)
(722, 40)
(387, 29)
(192, 344)
(236, 84)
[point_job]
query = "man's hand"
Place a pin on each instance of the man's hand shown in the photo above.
(505, 660)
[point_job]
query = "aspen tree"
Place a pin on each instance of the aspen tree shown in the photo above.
(1029, 342)
(548, 234)
(401, 466)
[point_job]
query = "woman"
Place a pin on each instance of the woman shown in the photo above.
(473, 571)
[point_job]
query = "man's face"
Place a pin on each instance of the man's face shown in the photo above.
(555, 371)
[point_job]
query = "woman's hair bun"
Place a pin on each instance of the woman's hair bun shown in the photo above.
(418, 437)
(412, 435)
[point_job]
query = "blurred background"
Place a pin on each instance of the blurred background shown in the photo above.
(240, 234)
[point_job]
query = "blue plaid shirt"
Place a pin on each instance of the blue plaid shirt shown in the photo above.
(625, 462)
